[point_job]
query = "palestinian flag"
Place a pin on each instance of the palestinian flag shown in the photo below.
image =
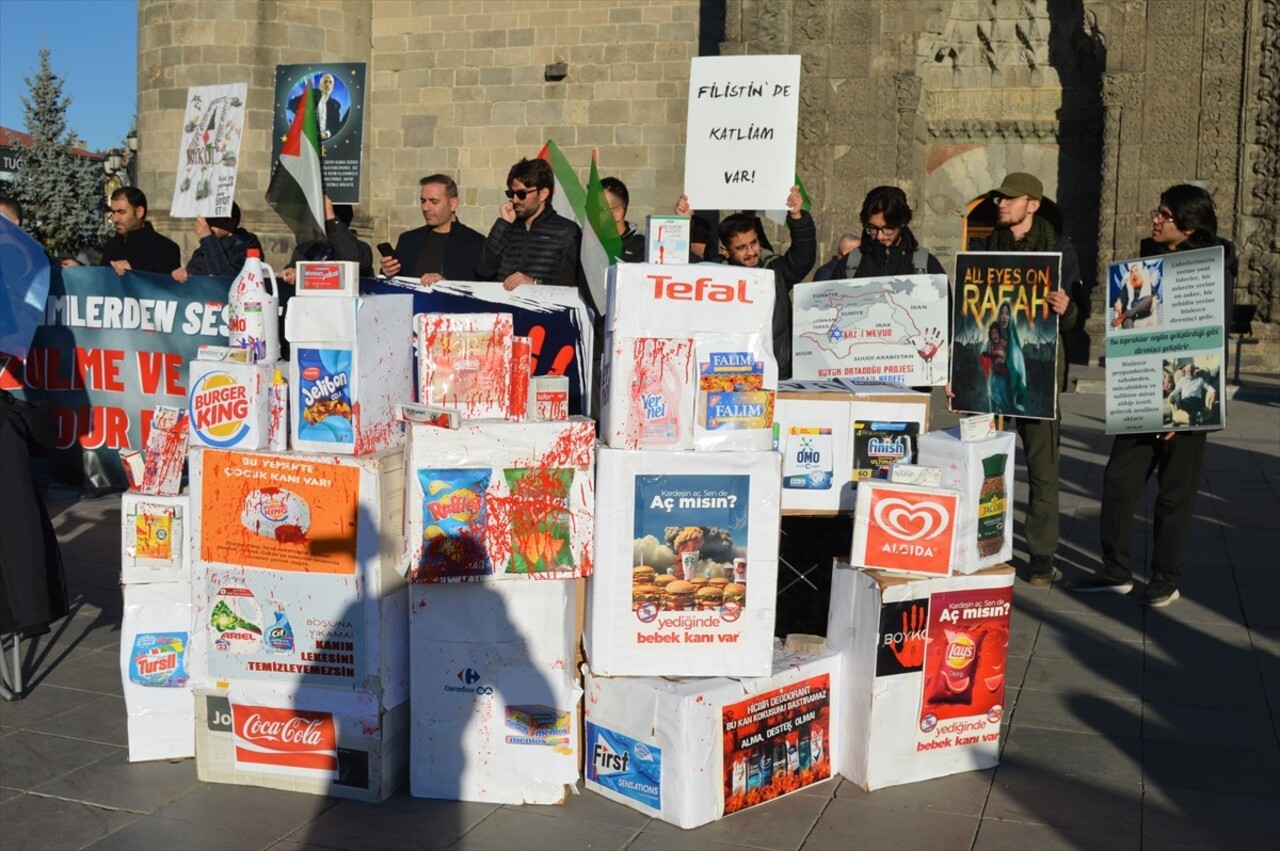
(296, 189)
(601, 242)
(570, 199)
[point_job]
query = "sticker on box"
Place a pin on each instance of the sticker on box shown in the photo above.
(159, 660)
(625, 765)
(807, 459)
(454, 522)
(541, 530)
(877, 446)
(324, 393)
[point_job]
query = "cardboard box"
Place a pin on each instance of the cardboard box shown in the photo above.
(688, 358)
(692, 751)
(296, 562)
(154, 642)
(154, 538)
(494, 694)
(352, 364)
(500, 500)
(667, 524)
(815, 429)
(668, 239)
(924, 661)
(328, 278)
(905, 528)
(465, 361)
(229, 404)
(982, 472)
(301, 739)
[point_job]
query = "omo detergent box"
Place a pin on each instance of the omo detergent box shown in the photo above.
(686, 563)
(352, 364)
(927, 657)
(229, 404)
(688, 358)
(694, 750)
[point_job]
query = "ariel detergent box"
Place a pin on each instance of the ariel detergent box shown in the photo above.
(229, 404)
(352, 364)
(927, 658)
(688, 358)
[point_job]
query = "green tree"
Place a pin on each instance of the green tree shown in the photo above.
(61, 194)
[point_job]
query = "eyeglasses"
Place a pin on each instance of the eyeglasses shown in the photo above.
(520, 193)
(1162, 216)
(872, 230)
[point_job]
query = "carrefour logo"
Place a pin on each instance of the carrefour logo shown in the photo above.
(469, 677)
(219, 406)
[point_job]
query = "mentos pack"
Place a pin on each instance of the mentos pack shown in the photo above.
(159, 660)
(229, 404)
(324, 396)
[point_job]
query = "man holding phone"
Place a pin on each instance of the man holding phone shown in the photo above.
(530, 243)
(442, 249)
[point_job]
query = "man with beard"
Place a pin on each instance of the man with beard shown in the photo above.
(1019, 229)
(530, 243)
(442, 249)
(136, 244)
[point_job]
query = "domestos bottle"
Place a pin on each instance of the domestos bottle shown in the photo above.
(255, 310)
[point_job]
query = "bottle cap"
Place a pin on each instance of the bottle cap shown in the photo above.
(253, 252)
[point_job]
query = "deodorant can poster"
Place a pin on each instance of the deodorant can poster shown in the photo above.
(776, 742)
(278, 512)
(691, 571)
(966, 649)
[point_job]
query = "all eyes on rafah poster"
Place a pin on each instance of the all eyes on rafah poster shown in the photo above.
(1004, 345)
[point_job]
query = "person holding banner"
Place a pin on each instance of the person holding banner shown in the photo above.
(740, 246)
(1018, 229)
(136, 244)
(1184, 220)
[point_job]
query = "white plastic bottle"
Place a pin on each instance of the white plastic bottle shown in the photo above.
(255, 310)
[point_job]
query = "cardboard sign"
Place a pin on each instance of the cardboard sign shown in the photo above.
(904, 529)
(740, 151)
(209, 151)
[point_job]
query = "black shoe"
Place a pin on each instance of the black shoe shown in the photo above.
(1099, 582)
(1042, 572)
(1159, 593)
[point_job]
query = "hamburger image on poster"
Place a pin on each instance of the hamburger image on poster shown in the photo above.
(688, 532)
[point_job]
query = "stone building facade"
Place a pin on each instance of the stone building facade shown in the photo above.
(1108, 101)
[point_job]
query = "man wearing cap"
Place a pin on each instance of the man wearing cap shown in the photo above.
(1019, 229)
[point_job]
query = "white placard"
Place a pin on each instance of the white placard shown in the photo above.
(212, 127)
(740, 151)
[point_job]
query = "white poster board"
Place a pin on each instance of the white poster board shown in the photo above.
(212, 126)
(1166, 343)
(740, 152)
(872, 329)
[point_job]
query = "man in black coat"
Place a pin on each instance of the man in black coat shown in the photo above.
(136, 244)
(444, 249)
(530, 243)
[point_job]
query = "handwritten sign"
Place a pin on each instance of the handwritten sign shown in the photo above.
(741, 146)
(212, 127)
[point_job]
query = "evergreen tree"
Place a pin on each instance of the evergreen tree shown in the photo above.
(61, 194)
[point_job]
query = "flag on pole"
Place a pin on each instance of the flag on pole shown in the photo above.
(601, 242)
(24, 273)
(568, 187)
(296, 190)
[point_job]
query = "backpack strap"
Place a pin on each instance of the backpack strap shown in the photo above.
(851, 262)
(920, 261)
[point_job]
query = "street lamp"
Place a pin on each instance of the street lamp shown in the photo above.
(131, 141)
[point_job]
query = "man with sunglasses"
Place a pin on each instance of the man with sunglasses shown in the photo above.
(1017, 200)
(442, 249)
(530, 243)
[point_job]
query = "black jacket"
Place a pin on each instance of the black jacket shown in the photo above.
(547, 251)
(461, 253)
(340, 244)
(878, 261)
(146, 251)
(223, 255)
(632, 246)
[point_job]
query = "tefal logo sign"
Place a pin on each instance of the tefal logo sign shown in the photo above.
(911, 531)
(284, 740)
(703, 289)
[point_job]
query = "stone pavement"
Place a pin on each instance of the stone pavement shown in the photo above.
(1128, 729)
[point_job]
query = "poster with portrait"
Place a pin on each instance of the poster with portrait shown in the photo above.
(1166, 343)
(212, 127)
(1004, 349)
(338, 89)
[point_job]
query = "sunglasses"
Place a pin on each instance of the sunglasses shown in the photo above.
(519, 193)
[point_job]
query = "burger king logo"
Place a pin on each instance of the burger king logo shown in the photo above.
(219, 406)
(275, 510)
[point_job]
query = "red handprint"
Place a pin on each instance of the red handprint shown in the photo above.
(564, 357)
(910, 651)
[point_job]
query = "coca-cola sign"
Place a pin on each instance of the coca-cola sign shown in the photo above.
(272, 739)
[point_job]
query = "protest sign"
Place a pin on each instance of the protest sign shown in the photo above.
(338, 89)
(740, 149)
(209, 153)
(891, 329)
(111, 348)
(1004, 350)
(1166, 338)
(555, 319)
